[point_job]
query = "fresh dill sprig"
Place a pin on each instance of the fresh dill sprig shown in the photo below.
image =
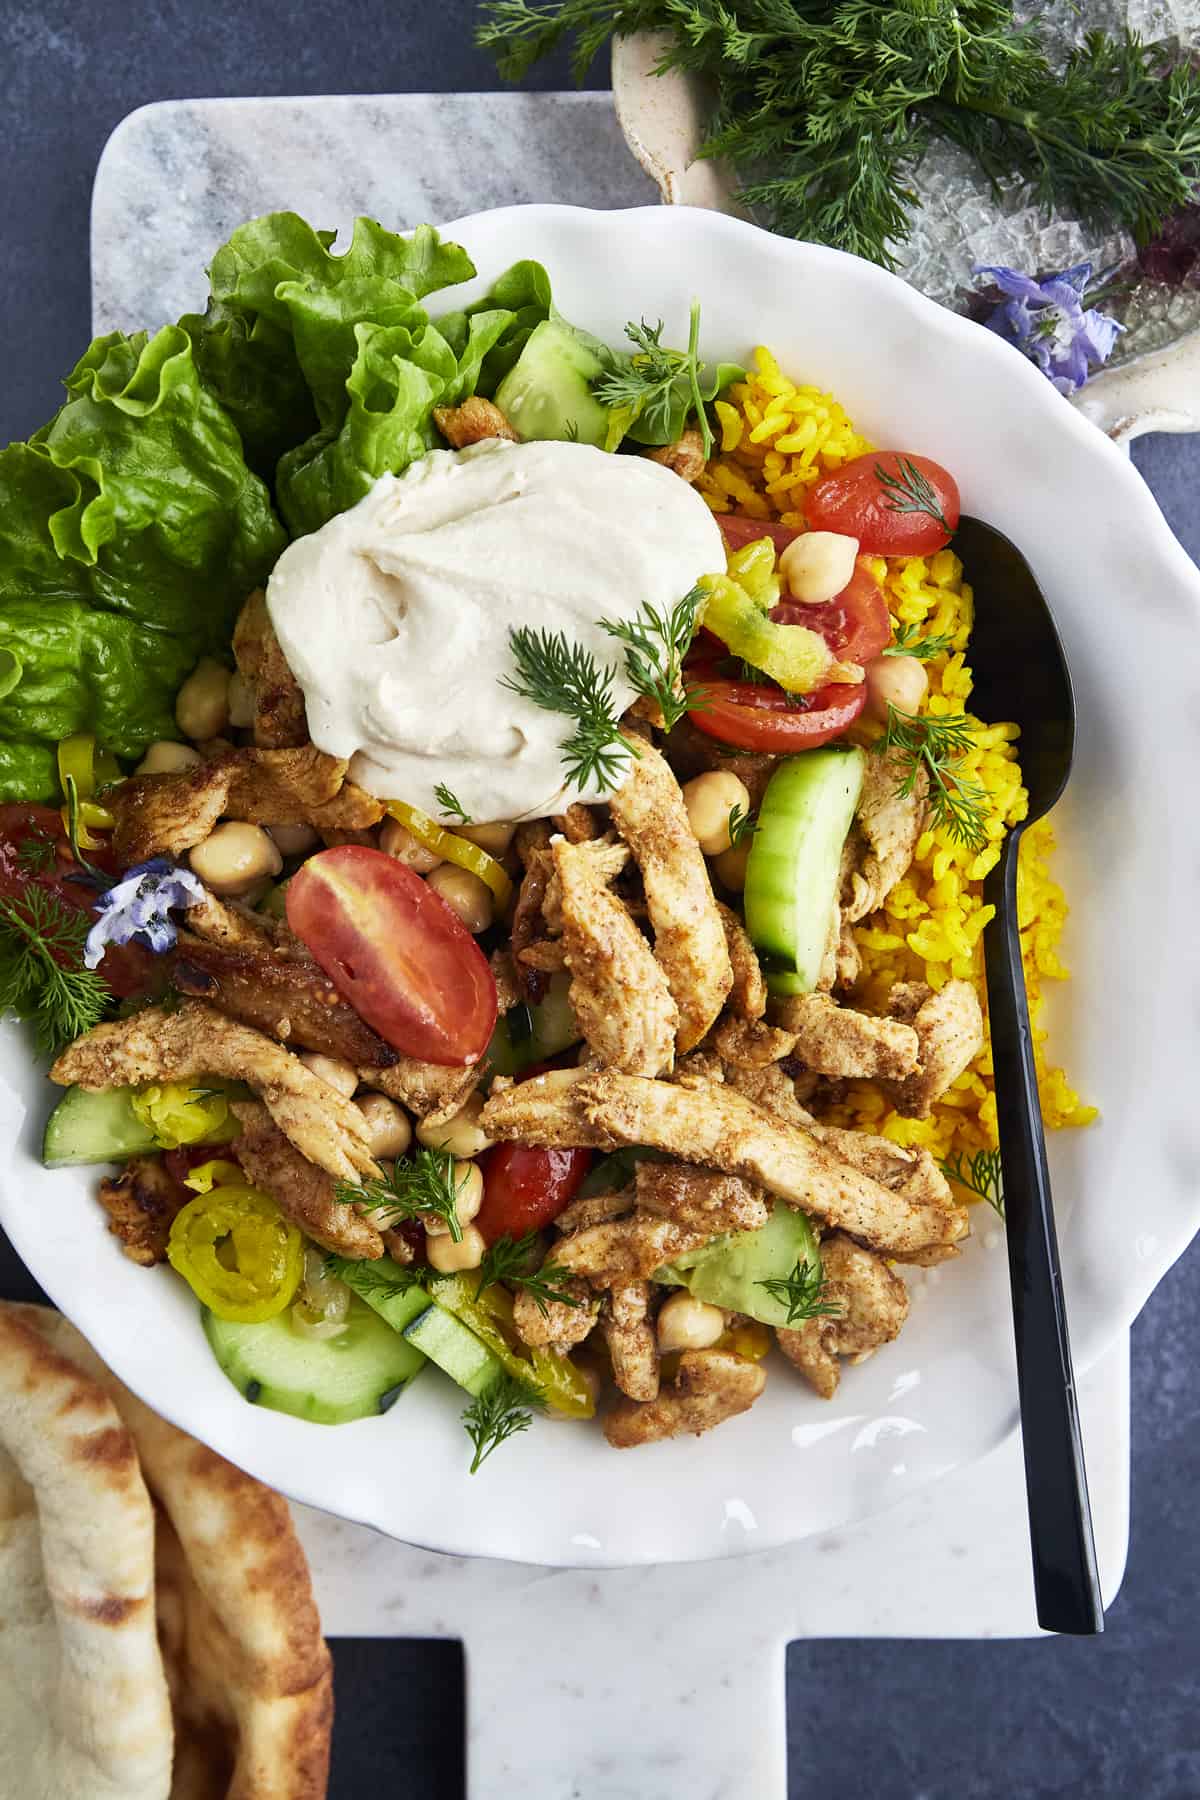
(910, 490)
(500, 1412)
(37, 854)
(979, 1174)
(937, 744)
(380, 1278)
(802, 1292)
(509, 1261)
(565, 678)
(423, 1183)
(41, 972)
(741, 826)
(655, 645)
(648, 385)
(451, 805)
(825, 110)
(909, 642)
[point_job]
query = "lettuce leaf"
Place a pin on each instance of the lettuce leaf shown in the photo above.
(523, 292)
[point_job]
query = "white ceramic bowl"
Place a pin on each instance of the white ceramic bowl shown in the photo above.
(1127, 601)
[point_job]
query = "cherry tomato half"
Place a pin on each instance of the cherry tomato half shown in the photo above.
(855, 624)
(755, 717)
(894, 503)
(127, 968)
(394, 949)
(738, 531)
(524, 1188)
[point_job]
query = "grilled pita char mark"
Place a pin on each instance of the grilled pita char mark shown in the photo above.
(689, 937)
(304, 1193)
(195, 1040)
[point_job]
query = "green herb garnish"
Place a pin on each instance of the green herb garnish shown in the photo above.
(741, 826)
(655, 646)
(41, 972)
(825, 109)
(509, 1261)
(802, 1292)
(979, 1174)
(500, 1412)
(937, 744)
(565, 678)
(37, 854)
(910, 490)
(380, 1278)
(451, 806)
(423, 1183)
(647, 386)
(909, 642)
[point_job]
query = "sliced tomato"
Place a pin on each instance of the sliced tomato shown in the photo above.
(894, 503)
(856, 624)
(738, 532)
(127, 968)
(754, 716)
(394, 949)
(525, 1189)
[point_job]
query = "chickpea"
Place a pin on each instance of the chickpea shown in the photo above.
(397, 840)
(448, 1258)
(462, 1135)
(495, 839)
(295, 840)
(166, 758)
(898, 681)
(388, 1130)
(817, 565)
(730, 867)
(685, 1323)
(468, 1198)
(340, 1075)
(709, 800)
(464, 894)
(234, 858)
(241, 702)
(202, 703)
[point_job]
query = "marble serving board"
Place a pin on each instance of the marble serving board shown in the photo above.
(688, 1658)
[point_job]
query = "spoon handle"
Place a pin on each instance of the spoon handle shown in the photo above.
(1065, 1578)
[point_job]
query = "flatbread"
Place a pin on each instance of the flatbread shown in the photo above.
(84, 1711)
(249, 1673)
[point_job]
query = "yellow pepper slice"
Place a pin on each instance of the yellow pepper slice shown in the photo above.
(753, 568)
(218, 1173)
(797, 658)
(452, 848)
(237, 1253)
(78, 762)
(490, 1316)
(179, 1113)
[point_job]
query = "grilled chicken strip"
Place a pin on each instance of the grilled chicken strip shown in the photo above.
(949, 1030)
(751, 1043)
(195, 1040)
(689, 937)
(627, 1249)
(748, 995)
(700, 1198)
(164, 815)
(303, 1193)
(618, 992)
(835, 1040)
(234, 927)
(430, 1090)
(885, 833)
(280, 720)
(632, 1345)
(544, 1111)
(720, 1128)
(873, 1303)
(472, 422)
(293, 1001)
(711, 1385)
(555, 1325)
(141, 1203)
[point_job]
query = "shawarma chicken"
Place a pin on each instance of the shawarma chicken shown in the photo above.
(950, 1035)
(710, 1386)
(700, 1198)
(430, 1090)
(304, 1193)
(544, 1111)
(885, 833)
(747, 997)
(835, 1040)
(872, 1305)
(618, 992)
(280, 717)
(196, 1040)
(141, 1203)
(626, 1329)
(555, 1325)
(164, 815)
(627, 1249)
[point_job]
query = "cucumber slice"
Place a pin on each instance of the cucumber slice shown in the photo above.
(795, 859)
(94, 1128)
(329, 1381)
(458, 1352)
(547, 392)
(383, 1286)
(729, 1271)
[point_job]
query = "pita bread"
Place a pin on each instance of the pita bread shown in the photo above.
(249, 1674)
(84, 1712)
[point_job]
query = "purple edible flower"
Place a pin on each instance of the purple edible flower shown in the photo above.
(1047, 322)
(140, 907)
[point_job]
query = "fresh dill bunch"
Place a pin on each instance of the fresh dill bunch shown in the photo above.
(452, 807)
(422, 1183)
(656, 385)
(979, 1174)
(502, 1410)
(42, 977)
(565, 678)
(909, 642)
(937, 744)
(509, 1260)
(824, 107)
(655, 645)
(741, 826)
(802, 1292)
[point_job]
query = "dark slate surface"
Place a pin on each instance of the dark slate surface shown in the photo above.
(897, 1721)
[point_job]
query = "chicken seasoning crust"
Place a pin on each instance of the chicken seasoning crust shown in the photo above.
(593, 1098)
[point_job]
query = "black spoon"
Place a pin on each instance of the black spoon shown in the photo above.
(1021, 674)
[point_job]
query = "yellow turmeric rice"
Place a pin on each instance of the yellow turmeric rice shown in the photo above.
(777, 439)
